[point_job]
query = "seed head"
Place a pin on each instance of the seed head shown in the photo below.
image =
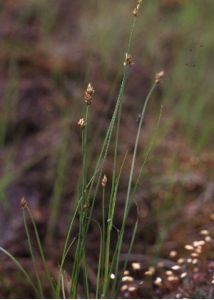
(172, 278)
(150, 271)
(137, 8)
(194, 261)
(198, 243)
(23, 203)
(189, 247)
(204, 232)
(159, 76)
(124, 288)
(104, 181)
(127, 278)
(183, 275)
(198, 250)
(176, 267)
(158, 281)
(136, 266)
(81, 123)
(128, 60)
(194, 254)
(181, 260)
(132, 289)
(135, 11)
(208, 239)
(169, 273)
(126, 272)
(173, 253)
(88, 95)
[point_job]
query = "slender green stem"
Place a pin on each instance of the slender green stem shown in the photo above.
(132, 195)
(85, 275)
(118, 107)
(108, 240)
(100, 263)
(127, 201)
(44, 261)
(103, 222)
(102, 245)
(20, 267)
(32, 256)
(101, 160)
(135, 150)
(106, 143)
(148, 152)
(65, 248)
(84, 149)
(107, 140)
(80, 256)
(121, 104)
(109, 229)
(116, 284)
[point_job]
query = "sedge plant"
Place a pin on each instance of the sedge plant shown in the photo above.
(108, 266)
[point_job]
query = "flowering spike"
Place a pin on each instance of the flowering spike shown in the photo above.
(81, 123)
(23, 203)
(88, 95)
(137, 8)
(128, 60)
(104, 181)
(159, 76)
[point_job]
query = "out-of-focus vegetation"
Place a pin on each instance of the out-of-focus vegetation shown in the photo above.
(49, 51)
(180, 39)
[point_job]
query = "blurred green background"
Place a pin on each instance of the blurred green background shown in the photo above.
(50, 50)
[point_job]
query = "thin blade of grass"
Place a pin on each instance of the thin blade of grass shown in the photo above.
(20, 267)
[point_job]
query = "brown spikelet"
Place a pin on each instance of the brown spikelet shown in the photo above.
(104, 181)
(137, 8)
(128, 60)
(81, 123)
(23, 203)
(88, 95)
(159, 76)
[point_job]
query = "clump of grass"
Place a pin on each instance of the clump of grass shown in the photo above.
(109, 274)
